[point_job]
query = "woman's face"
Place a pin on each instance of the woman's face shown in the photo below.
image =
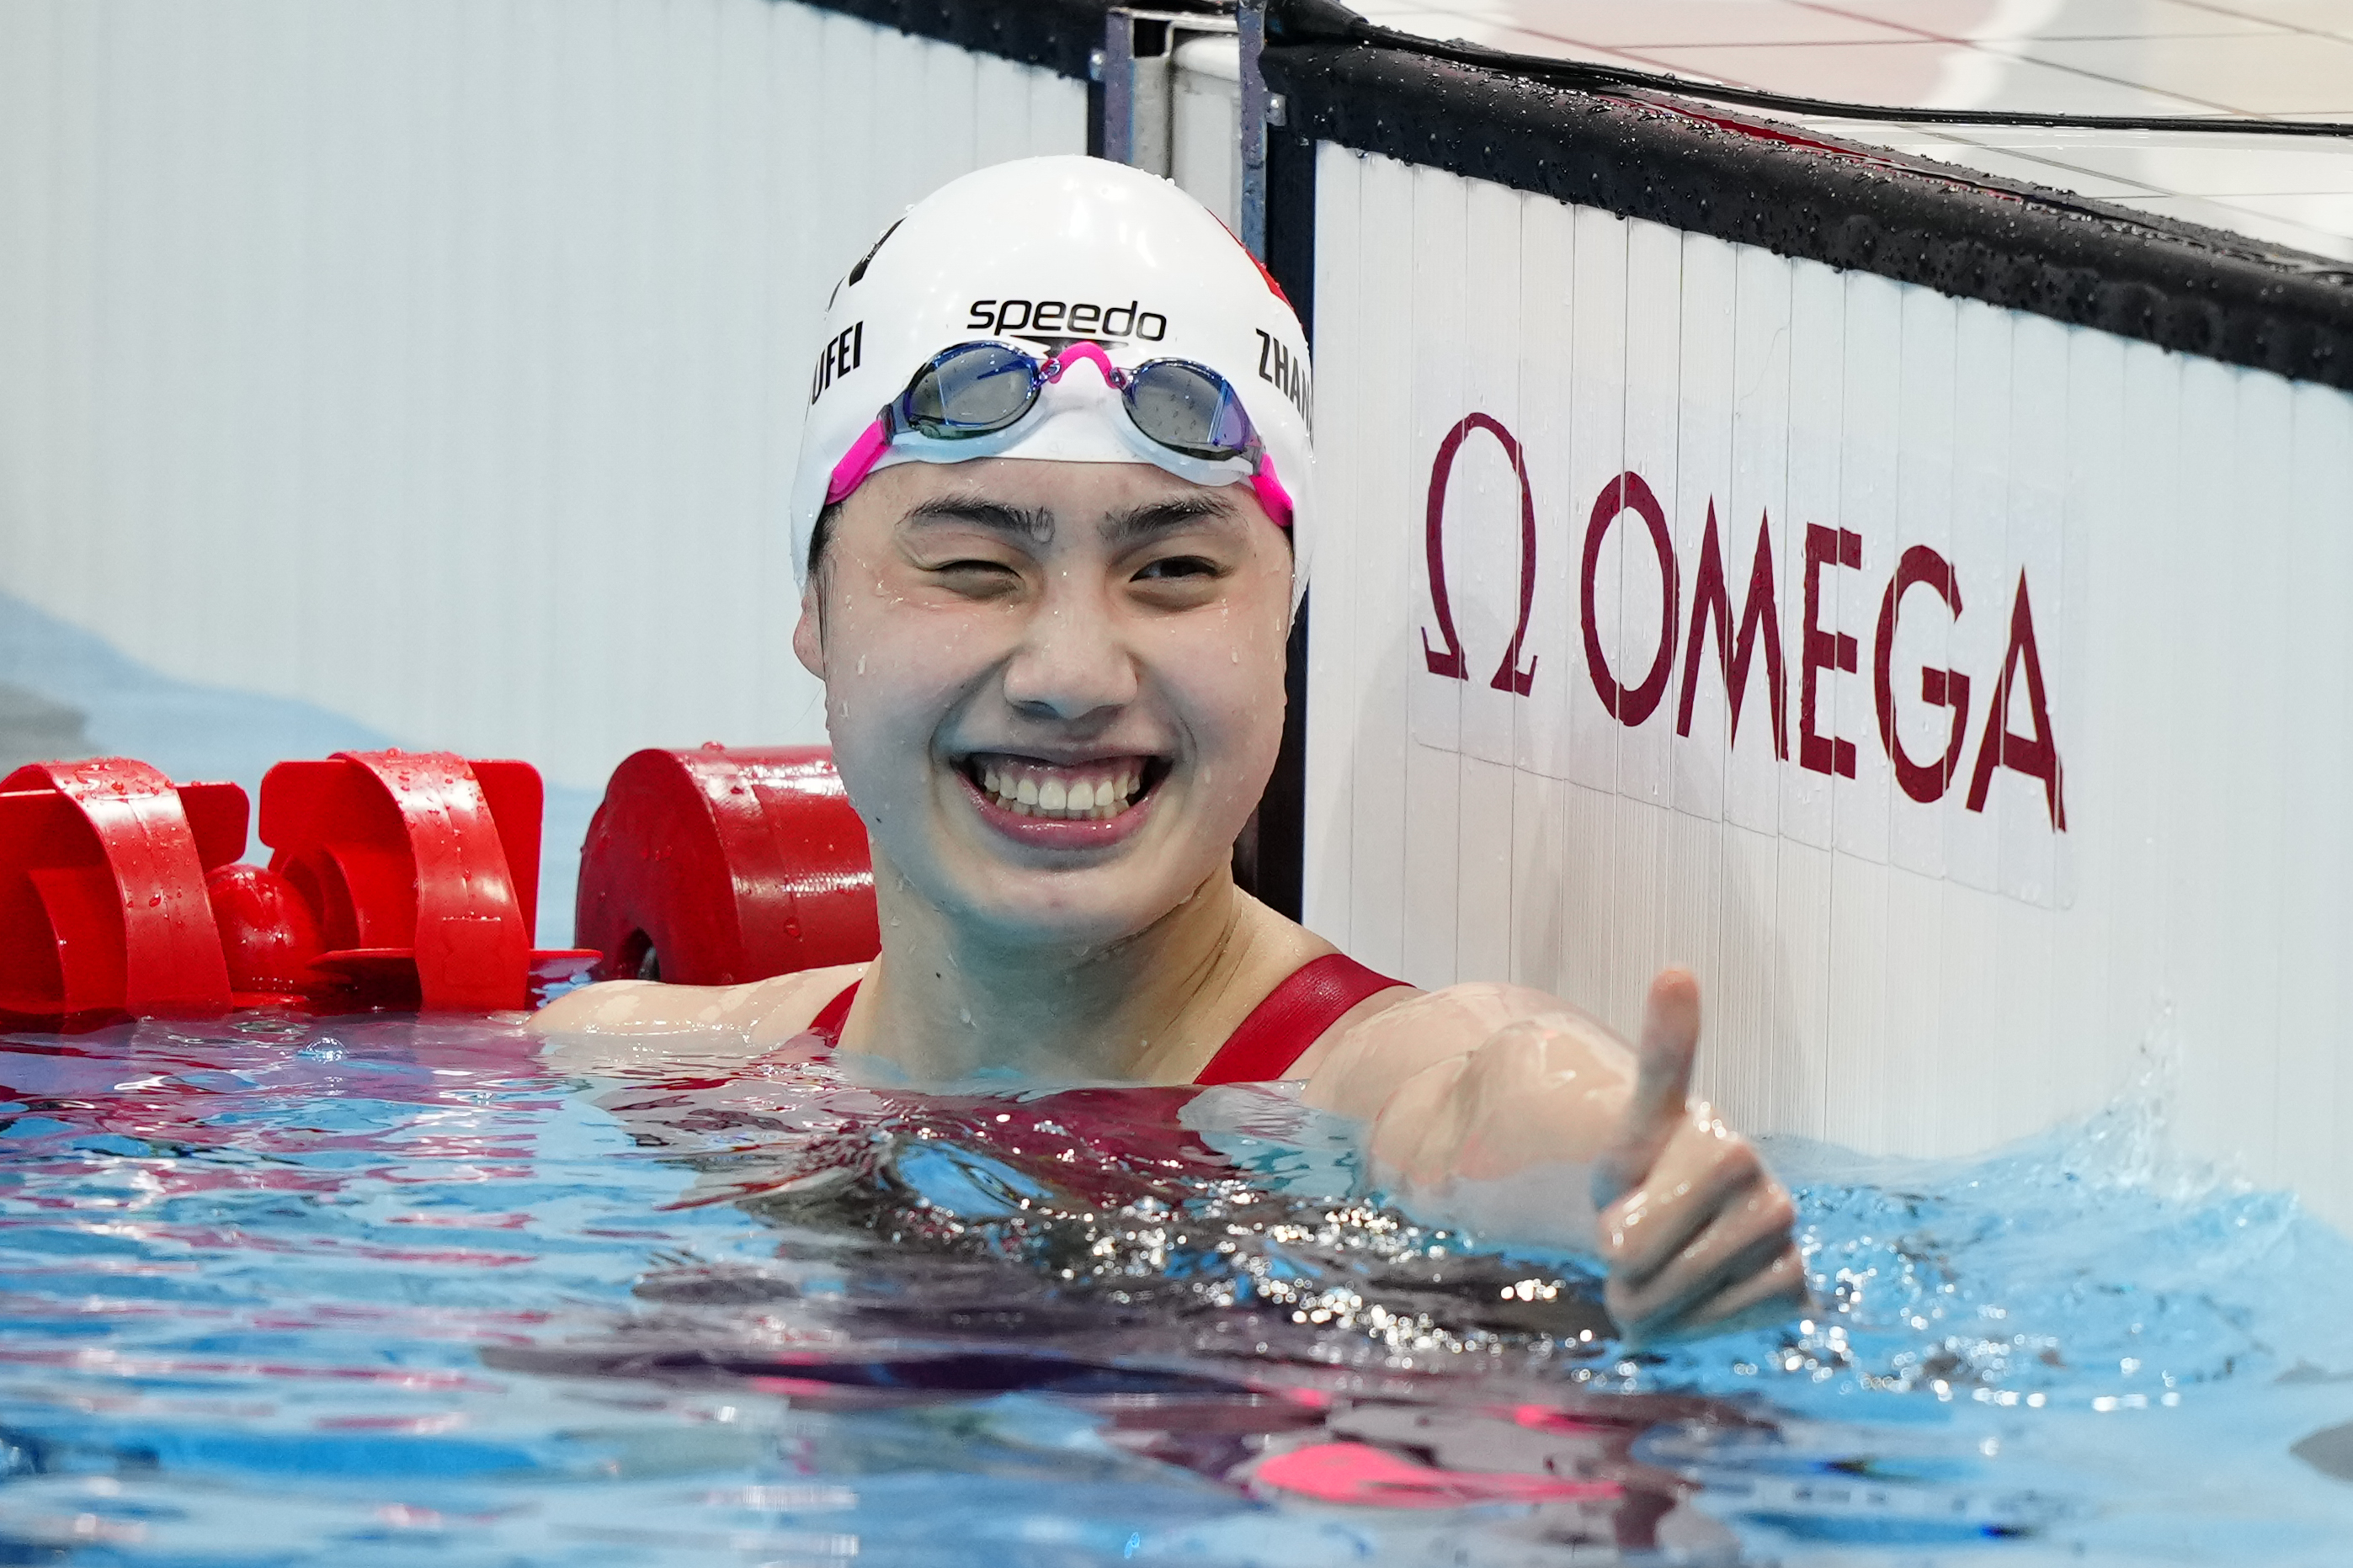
(1054, 688)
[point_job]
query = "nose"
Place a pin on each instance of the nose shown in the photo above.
(1073, 660)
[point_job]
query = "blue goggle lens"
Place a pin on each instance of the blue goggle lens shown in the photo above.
(1189, 408)
(978, 389)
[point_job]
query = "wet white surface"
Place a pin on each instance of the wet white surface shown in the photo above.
(2290, 59)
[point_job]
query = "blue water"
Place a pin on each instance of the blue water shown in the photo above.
(384, 1290)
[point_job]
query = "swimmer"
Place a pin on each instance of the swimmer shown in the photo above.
(1053, 513)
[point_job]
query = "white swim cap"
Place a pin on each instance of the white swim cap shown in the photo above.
(1039, 254)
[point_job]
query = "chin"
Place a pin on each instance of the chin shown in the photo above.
(1095, 907)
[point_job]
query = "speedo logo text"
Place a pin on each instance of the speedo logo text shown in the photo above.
(1065, 318)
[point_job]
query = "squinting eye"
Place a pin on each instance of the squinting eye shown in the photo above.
(1178, 567)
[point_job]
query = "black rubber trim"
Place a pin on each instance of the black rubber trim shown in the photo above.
(1696, 168)
(1059, 34)
(1279, 859)
(1329, 22)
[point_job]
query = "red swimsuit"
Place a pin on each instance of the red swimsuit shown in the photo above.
(1277, 1033)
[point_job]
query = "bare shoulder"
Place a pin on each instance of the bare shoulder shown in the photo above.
(790, 1009)
(1278, 947)
(639, 1021)
(1344, 1027)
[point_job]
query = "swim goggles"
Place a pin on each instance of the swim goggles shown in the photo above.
(980, 389)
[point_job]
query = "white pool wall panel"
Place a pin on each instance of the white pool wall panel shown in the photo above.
(1884, 971)
(440, 362)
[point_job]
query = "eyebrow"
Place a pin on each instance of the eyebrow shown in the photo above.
(1033, 523)
(1036, 524)
(1124, 528)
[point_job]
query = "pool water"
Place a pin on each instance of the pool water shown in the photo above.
(285, 1290)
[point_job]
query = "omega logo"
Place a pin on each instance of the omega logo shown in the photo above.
(1750, 643)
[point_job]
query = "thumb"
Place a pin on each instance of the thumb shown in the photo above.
(1668, 1045)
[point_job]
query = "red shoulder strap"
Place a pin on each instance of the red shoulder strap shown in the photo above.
(1292, 1018)
(827, 1025)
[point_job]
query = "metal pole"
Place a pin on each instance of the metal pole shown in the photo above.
(1119, 86)
(1251, 21)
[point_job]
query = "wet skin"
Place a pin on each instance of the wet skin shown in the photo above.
(1055, 691)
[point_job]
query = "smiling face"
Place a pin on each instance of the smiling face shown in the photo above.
(1054, 688)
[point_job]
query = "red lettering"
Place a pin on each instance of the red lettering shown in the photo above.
(1448, 660)
(2035, 755)
(1712, 604)
(1939, 688)
(1628, 491)
(1823, 650)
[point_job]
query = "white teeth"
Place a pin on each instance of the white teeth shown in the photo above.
(1032, 790)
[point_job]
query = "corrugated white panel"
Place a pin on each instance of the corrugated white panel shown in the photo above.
(2314, 1087)
(1340, 589)
(1541, 799)
(2051, 617)
(1433, 875)
(441, 361)
(1702, 864)
(1383, 534)
(1798, 922)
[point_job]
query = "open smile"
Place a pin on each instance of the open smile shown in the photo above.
(1077, 803)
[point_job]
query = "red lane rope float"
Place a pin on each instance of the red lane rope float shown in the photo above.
(714, 866)
(102, 900)
(270, 936)
(422, 870)
(401, 879)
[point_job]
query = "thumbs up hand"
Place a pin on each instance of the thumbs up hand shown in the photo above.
(1502, 1109)
(1694, 1228)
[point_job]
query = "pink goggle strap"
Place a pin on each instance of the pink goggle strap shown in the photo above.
(857, 462)
(1271, 493)
(1076, 352)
